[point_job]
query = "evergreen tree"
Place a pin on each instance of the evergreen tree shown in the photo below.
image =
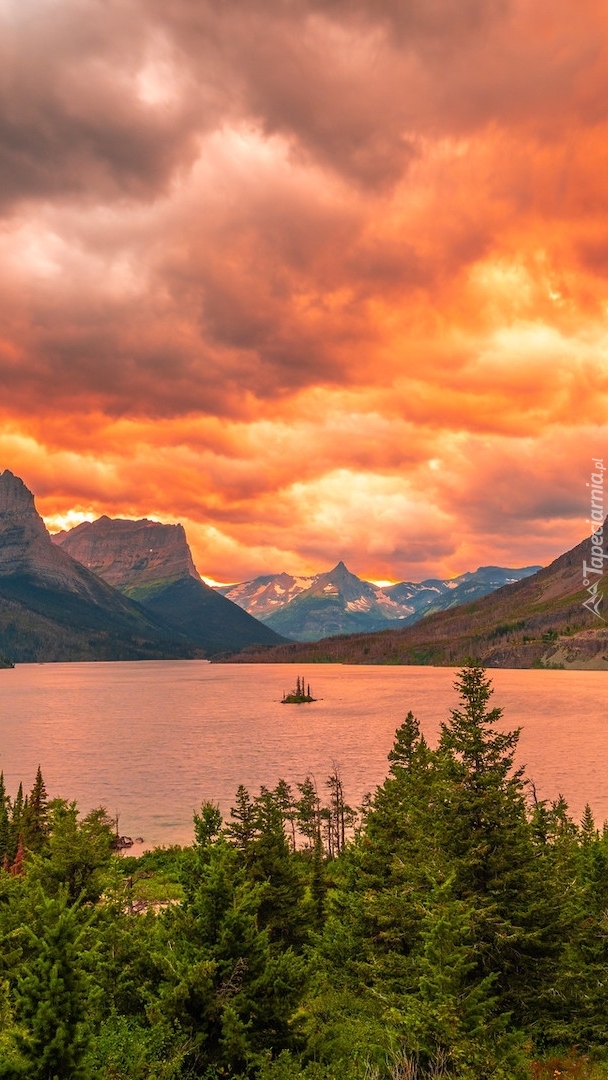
(340, 817)
(486, 836)
(230, 992)
(4, 820)
(16, 824)
(17, 869)
(284, 800)
(271, 864)
(451, 1023)
(52, 995)
(243, 827)
(207, 825)
(79, 851)
(35, 815)
(308, 809)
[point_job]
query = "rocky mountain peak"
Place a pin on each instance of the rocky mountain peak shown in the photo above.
(133, 556)
(24, 541)
(26, 551)
(15, 498)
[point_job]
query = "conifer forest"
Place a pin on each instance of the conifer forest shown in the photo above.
(453, 927)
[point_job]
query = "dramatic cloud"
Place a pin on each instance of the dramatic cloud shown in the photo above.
(321, 280)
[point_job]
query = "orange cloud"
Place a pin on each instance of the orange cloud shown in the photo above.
(318, 280)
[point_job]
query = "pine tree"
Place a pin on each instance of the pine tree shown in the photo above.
(271, 864)
(52, 995)
(284, 800)
(231, 993)
(339, 816)
(35, 815)
(16, 823)
(17, 869)
(4, 819)
(308, 808)
(485, 809)
(485, 834)
(243, 827)
(451, 1023)
(318, 883)
(78, 851)
(207, 824)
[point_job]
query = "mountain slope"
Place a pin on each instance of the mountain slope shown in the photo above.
(52, 608)
(152, 563)
(538, 621)
(338, 602)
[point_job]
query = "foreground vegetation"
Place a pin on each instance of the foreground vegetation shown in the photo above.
(455, 928)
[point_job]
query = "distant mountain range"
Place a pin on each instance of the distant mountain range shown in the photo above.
(116, 589)
(538, 621)
(52, 607)
(338, 602)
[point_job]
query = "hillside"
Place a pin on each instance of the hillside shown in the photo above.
(536, 622)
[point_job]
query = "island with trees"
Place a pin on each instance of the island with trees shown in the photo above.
(301, 695)
(453, 927)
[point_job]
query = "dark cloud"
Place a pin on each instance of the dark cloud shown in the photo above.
(109, 101)
(72, 121)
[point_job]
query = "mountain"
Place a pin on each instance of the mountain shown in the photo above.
(436, 594)
(152, 563)
(52, 608)
(136, 557)
(267, 594)
(538, 621)
(338, 602)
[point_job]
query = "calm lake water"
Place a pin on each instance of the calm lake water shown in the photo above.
(150, 740)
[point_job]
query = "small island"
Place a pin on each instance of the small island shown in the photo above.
(298, 696)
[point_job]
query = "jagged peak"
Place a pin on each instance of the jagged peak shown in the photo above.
(340, 568)
(14, 495)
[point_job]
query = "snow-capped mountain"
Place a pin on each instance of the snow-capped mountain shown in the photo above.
(338, 602)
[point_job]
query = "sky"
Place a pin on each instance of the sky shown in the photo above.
(320, 279)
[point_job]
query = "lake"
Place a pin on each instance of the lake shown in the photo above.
(150, 740)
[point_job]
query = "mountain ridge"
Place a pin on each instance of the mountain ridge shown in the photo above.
(337, 601)
(538, 621)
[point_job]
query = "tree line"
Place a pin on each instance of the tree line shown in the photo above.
(456, 927)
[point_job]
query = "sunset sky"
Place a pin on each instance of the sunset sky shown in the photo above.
(320, 279)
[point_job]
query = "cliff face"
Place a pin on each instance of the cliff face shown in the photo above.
(26, 549)
(151, 563)
(53, 608)
(137, 557)
(24, 541)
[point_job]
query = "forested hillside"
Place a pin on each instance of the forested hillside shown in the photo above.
(453, 927)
